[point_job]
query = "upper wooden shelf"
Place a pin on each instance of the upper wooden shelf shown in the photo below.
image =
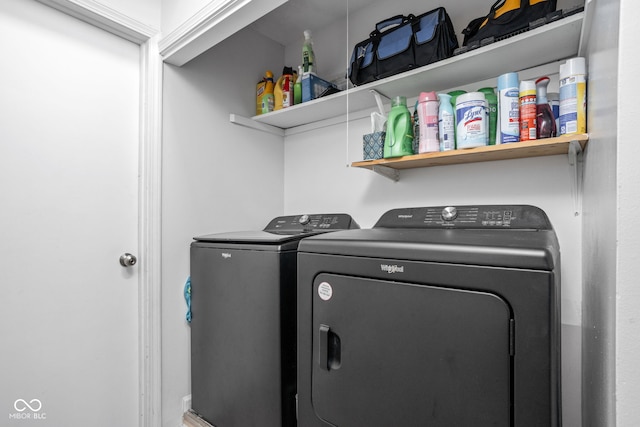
(546, 44)
(516, 150)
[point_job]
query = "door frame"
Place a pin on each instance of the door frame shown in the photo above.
(149, 193)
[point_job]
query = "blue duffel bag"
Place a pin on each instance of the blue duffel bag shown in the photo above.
(401, 43)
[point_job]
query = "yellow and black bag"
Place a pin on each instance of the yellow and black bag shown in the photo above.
(506, 17)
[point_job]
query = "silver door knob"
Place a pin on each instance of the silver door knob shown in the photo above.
(128, 260)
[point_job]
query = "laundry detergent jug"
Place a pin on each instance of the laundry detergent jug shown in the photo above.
(399, 139)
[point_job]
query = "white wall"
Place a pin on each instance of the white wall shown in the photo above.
(217, 177)
(600, 219)
(628, 234)
(175, 12)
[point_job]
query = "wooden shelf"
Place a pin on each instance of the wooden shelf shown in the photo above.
(518, 150)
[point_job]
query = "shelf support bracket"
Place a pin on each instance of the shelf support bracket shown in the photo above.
(575, 161)
(243, 121)
(378, 96)
(387, 172)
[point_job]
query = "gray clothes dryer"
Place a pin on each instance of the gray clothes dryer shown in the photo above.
(243, 328)
(437, 316)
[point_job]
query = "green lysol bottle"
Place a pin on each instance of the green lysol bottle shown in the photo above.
(399, 139)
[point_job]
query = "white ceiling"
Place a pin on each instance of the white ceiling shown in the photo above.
(300, 15)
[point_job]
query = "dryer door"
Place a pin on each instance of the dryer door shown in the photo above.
(396, 354)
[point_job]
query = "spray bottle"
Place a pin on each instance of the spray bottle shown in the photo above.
(545, 122)
(309, 64)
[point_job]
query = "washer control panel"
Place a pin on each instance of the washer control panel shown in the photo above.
(477, 217)
(294, 224)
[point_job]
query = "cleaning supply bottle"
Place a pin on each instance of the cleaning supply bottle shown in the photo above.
(472, 118)
(428, 117)
(446, 123)
(267, 99)
(492, 100)
(260, 87)
(527, 110)
(309, 64)
(545, 122)
(508, 109)
(573, 96)
(284, 89)
(399, 138)
(297, 87)
(454, 98)
(416, 128)
(554, 101)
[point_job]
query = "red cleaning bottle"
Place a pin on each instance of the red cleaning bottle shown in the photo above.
(545, 121)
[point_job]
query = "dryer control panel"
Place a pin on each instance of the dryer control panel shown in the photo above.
(519, 217)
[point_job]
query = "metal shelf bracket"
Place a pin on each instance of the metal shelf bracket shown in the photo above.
(387, 172)
(575, 161)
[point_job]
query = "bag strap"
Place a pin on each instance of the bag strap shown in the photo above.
(475, 24)
(394, 20)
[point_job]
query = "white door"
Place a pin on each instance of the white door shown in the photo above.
(69, 100)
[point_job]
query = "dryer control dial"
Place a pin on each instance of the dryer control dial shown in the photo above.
(304, 219)
(449, 213)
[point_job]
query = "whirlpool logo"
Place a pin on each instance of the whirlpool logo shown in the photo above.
(27, 410)
(391, 269)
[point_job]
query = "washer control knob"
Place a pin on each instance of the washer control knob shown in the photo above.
(304, 219)
(449, 213)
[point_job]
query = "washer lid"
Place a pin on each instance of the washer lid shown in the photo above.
(257, 237)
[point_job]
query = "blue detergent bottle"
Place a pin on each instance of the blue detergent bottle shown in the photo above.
(399, 139)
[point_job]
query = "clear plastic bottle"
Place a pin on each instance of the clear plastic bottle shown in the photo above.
(545, 121)
(309, 64)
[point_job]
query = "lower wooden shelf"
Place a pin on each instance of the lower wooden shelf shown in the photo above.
(517, 150)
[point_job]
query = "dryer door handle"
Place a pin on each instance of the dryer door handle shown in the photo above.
(330, 349)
